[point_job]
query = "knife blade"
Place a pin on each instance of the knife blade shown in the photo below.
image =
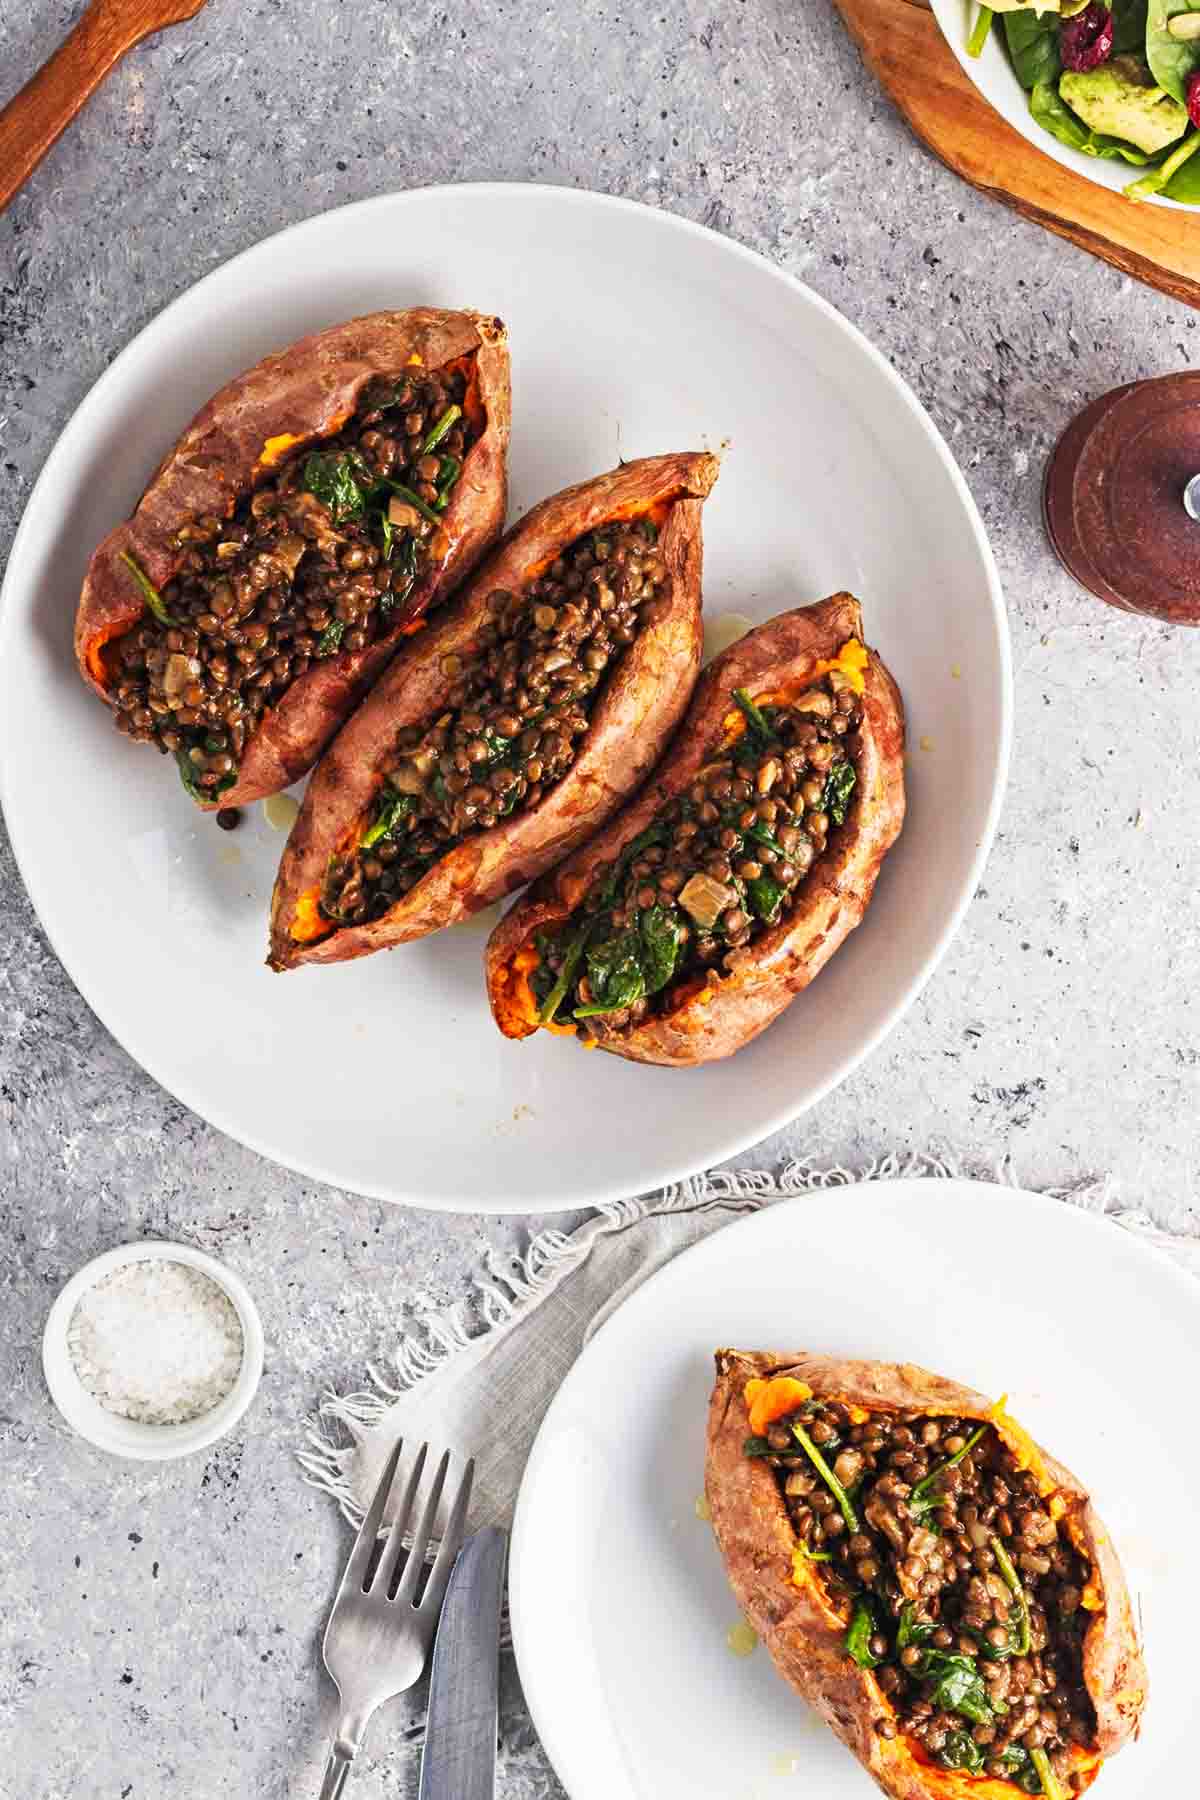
(458, 1761)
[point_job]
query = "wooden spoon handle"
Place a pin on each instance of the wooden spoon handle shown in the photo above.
(45, 106)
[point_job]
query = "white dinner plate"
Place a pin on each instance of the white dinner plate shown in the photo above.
(992, 74)
(632, 332)
(620, 1606)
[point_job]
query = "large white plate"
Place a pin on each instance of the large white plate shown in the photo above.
(620, 1607)
(992, 73)
(631, 332)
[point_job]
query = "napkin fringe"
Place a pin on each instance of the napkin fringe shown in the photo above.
(505, 1291)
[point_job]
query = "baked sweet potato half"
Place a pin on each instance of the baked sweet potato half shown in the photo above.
(938, 1587)
(307, 519)
(510, 730)
(682, 930)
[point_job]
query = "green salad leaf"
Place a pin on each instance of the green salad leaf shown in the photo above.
(1171, 59)
(1033, 47)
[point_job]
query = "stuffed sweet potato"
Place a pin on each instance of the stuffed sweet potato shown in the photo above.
(306, 520)
(940, 1589)
(510, 730)
(682, 930)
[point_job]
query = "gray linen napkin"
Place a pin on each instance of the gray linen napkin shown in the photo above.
(477, 1378)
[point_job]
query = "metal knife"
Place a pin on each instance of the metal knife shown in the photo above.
(459, 1758)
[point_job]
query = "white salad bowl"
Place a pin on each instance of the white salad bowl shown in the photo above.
(992, 73)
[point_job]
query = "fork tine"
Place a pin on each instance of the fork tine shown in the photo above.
(439, 1575)
(368, 1531)
(421, 1536)
(395, 1539)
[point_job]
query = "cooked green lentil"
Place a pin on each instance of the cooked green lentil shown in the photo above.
(966, 1595)
(515, 719)
(720, 865)
(313, 563)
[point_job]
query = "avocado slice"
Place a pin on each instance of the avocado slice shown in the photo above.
(1122, 99)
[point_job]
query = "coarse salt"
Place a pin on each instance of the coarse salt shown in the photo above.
(156, 1341)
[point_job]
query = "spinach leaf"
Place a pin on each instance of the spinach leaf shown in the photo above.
(1054, 115)
(766, 897)
(663, 934)
(839, 785)
(1012, 1582)
(827, 1475)
(566, 974)
(445, 424)
(756, 719)
(448, 474)
(188, 774)
(406, 565)
(340, 480)
(392, 808)
(150, 594)
(388, 533)
(922, 1500)
(1129, 26)
(762, 836)
(653, 834)
(1051, 1786)
(331, 637)
(960, 1751)
(803, 1550)
(1182, 180)
(1033, 46)
(756, 1446)
(410, 499)
(956, 1685)
(615, 973)
(910, 1630)
(858, 1637)
(1171, 59)
(1019, 1770)
(1172, 176)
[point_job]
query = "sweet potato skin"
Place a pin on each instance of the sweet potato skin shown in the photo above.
(632, 719)
(803, 1633)
(834, 898)
(295, 397)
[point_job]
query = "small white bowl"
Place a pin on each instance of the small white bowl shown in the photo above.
(992, 73)
(129, 1437)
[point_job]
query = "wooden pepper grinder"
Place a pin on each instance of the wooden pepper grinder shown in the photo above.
(1122, 498)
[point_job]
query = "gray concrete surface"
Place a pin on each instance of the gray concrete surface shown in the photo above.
(159, 1628)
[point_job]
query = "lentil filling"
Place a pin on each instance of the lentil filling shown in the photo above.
(722, 863)
(515, 718)
(964, 1594)
(317, 561)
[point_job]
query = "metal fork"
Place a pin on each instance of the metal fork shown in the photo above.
(377, 1644)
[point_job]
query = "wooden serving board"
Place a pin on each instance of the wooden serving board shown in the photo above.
(900, 42)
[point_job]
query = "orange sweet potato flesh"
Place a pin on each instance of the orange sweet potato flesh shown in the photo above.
(633, 717)
(804, 1631)
(271, 412)
(719, 1015)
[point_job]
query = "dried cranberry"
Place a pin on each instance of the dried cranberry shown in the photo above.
(1193, 96)
(1086, 41)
